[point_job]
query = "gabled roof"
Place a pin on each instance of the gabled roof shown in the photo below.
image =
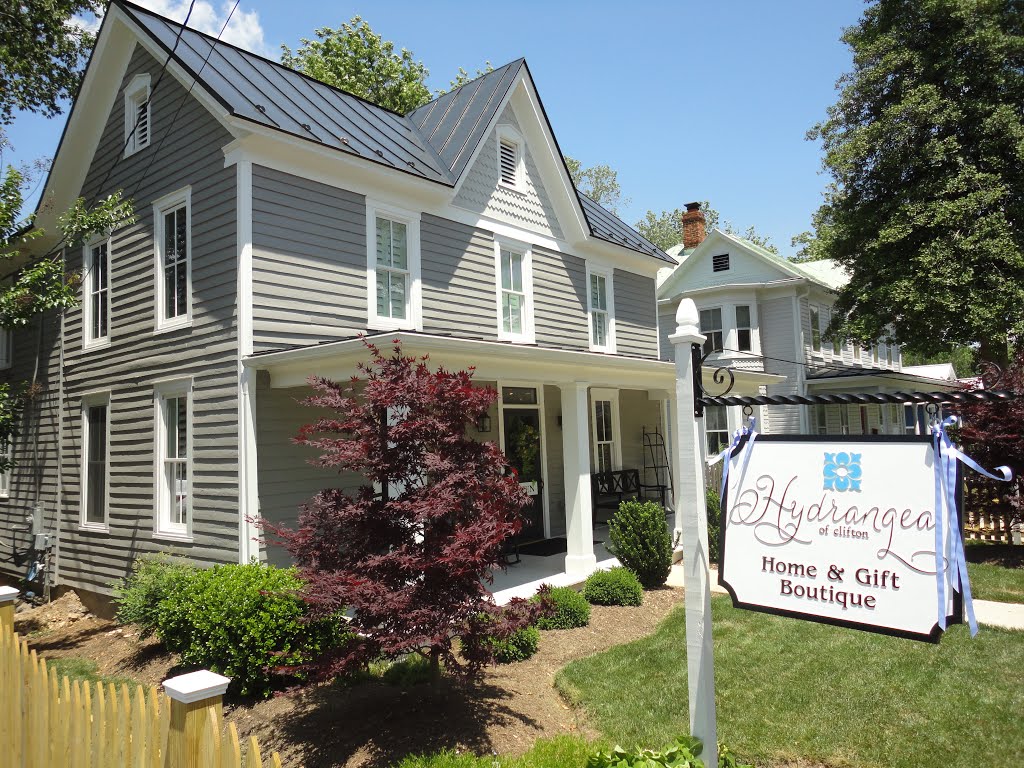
(435, 142)
(826, 272)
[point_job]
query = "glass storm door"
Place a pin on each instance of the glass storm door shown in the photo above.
(522, 449)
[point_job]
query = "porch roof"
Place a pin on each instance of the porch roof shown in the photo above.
(492, 360)
(876, 380)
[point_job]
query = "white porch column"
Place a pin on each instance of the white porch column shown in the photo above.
(579, 511)
(692, 512)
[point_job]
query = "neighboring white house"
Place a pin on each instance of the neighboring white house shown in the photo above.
(762, 312)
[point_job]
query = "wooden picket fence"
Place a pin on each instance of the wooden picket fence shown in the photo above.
(49, 720)
(989, 514)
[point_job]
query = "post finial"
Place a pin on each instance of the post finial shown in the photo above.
(687, 317)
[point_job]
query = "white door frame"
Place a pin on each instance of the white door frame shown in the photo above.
(501, 384)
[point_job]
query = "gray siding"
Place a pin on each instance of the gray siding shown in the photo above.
(666, 327)
(185, 153)
(560, 300)
(636, 315)
(309, 261)
(777, 329)
(457, 267)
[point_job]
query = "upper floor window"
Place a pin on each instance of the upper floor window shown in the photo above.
(96, 303)
(600, 306)
(173, 224)
(815, 329)
(711, 327)
(174, 454)
(744, 342)
(95, 460)
(515, 291)
(511, 170)
(393, 268)
(137, 128)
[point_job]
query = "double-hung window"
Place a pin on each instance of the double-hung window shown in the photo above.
(95, 461)
(601, 307)
(393, 268)
(513, 267)
(174, 458)
(716, 429)
(173, 224)
(96, 303)
(711, 328)
(607, 452)
(744, 333)
(137, 114)
(815, 329)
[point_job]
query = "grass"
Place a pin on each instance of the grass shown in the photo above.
(559, 752)
(993, 582)
(85, 670)
(789, 689)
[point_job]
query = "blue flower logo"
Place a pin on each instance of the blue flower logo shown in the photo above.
(842, 471)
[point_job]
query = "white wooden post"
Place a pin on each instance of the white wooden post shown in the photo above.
(7, 597)
(691, 508)
(579, 559)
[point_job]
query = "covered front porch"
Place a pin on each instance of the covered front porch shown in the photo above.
(582, 429)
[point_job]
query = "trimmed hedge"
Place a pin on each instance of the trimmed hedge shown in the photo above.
(618, 586)
(714, 506)
(569, 609)
(519, 646)
(640, 540)
(153, 578)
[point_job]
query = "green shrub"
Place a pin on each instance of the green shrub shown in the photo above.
(240, 621)
(714, 505)
(519, 646)
(569, 609)
(683, 753)
(618, 586)
(153, 578)
(640, 540)
(412, 670)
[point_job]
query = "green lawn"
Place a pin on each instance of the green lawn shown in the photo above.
(560, 752)
(790, 689)
(86, 671)
(994, 582)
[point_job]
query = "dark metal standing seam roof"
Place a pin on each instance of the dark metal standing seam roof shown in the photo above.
(434, 142)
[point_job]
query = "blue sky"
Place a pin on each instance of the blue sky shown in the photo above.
(686, 100)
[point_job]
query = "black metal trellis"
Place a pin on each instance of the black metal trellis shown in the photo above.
(725, 376)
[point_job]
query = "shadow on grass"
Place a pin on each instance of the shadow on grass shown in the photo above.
(385, 723)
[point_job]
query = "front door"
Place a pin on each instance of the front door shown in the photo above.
(522, 432)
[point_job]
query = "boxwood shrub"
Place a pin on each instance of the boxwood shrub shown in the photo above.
(568, 608)
(640, 540)
(618, 586)
(519, 646)
(153, 578)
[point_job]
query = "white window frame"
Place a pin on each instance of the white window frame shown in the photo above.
(509, 134)
(755, 346)
(708, 432)
(817, 344)
(136, 93)
(5, 476)
(161, 207)
(528, 334)
(163, 391)
(708, 333)
(413, 320)
(601, 396)
(828, 346)
(88, 260)
(609, 312)
(92, 400)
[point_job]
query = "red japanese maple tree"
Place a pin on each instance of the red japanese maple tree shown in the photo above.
(408, 552)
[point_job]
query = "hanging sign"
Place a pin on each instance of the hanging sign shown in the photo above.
(844, 530)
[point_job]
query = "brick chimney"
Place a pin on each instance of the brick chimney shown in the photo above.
(693, 226)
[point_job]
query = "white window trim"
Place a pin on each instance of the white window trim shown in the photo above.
(755, 340)
(88, 341)
(414, 296)
(138, 85)
(160, 207)
(6, 476)
(528, 336)
(723, 329)
(612, 395)
(162, 391)
(510, 134)
(88, 401)
(609, 285)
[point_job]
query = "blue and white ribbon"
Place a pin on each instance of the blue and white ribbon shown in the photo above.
(949, 545)
(751, 432)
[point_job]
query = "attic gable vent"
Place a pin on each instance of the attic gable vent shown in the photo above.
(509, 157)
(720, 263)
(137, 114)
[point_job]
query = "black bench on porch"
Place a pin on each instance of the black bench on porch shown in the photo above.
(609, 489)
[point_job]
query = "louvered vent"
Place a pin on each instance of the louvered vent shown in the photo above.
(142, 123)
(720, 263)
(509, 162)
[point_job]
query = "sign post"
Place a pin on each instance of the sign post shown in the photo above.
(691, 500)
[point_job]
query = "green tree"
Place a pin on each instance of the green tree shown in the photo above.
(600, 183)
(41, 60)
(665, 229)
(357, 60)
(462, 77)
(925, 146)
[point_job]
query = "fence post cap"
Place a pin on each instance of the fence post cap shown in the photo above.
(196, 686)
(7, 594)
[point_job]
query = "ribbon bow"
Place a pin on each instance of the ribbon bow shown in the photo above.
(951, 547)
(749, 431)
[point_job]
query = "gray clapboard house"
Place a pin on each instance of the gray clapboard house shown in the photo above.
(278, 219)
